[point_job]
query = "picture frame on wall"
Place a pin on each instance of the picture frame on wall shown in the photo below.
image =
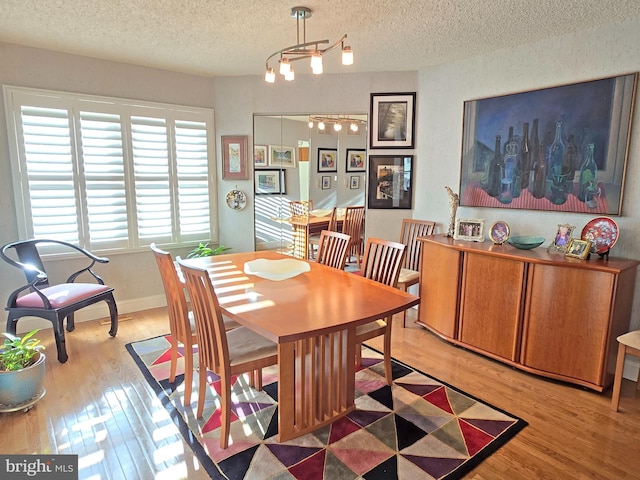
(392, 120)
(260, 156)
(354, 182)
(356, 160)
(327, 160)
(270, 182)
(471, 230)
(326, 182)
(282, 157)
(234, 157)
(390, 181)
(555, 128)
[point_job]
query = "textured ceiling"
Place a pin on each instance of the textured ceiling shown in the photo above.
(234, 37)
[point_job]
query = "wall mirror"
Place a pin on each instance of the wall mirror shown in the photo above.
(318, 159)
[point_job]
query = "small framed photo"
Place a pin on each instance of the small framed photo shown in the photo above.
(578, 248)
(392, 120)
(234, 157)
(354, 182)
(327, 160)
(562, 238)
(260, 156)
(499, 232)
(471, 230)
(270, 182)
(326, 182)
(355, 160)
(282, 157)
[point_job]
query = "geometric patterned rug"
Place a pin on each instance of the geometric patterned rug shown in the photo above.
(419, 428)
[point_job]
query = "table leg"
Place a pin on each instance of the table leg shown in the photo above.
(316, 382)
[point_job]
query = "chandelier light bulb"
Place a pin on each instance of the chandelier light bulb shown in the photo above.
(270, 76)
(347, 56)
(316, 63)
(285, 66)
(320, 125)
(310, 123)
(353, 127)
(337, 126)
(290, 75)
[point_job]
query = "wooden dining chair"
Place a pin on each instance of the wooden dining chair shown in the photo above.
(314, 240)
(628, 344)
(300, 207)
(181, 322)
(226, 353)
(353, 225)
(332, 249)
(382, 263)
(410, 271)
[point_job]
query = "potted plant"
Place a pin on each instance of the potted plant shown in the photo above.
(22, 369)
(204, 250)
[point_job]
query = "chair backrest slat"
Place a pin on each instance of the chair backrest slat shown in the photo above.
(300, 207)
(411, 231)
(383, 261)
(213, 350)
(353, 223)
(174, 292)
(332, 249)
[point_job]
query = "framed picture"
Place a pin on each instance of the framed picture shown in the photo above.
(499, 232)
(282, 157)
(354, 182)
(561, 148)
(392, 120)
(234, 157)
(326, 182)
(471, 230)
(355, 160)
(327, 160)
(390, 181)
(260, 156)
(270, 182)
(562, 238)
(579, 248)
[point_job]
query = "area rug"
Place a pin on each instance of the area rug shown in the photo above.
(419, 428)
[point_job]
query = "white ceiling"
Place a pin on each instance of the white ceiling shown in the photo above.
(234, 37)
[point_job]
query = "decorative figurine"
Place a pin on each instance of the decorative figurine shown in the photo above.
(454, 201)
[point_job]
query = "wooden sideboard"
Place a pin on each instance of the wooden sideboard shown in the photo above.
(536, 310)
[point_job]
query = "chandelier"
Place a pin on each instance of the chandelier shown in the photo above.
(336, 122)
(304, 49)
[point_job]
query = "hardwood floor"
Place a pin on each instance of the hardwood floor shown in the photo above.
(99, 406)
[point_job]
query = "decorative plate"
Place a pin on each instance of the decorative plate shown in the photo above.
(603, 232)
(236, 199)
(276, 269)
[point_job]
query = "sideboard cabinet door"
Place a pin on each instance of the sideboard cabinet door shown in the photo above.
(567, 325)
(491, 306)
(439, 289)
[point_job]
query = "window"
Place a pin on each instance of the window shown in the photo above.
(107, 173)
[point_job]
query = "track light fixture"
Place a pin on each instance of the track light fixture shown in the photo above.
(304, 49)
(338, 122)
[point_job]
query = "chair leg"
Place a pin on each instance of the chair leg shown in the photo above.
(225, 410)
(12, 323)
(617, 382)
(387, 353)
(58, 332)
(71, 324)
(358, 354)
(113, 313)
(202, 386)
(188, 374)
(174, 360)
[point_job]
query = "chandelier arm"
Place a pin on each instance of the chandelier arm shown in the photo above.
(292, 49)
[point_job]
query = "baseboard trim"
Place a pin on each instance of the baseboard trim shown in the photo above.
(96, 311)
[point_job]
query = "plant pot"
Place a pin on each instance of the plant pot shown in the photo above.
(22, 387)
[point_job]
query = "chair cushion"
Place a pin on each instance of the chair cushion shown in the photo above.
(631, 339)
(370, 328)
(247, 346)
(407, 275)
(62, 295)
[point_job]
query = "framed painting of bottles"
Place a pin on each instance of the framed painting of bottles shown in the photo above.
(561, 148)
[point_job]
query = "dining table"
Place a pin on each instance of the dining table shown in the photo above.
(311, 312)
